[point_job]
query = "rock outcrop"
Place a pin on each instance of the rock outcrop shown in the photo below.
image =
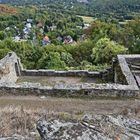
(99, 127)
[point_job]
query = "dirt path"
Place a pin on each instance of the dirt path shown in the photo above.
(71, 105)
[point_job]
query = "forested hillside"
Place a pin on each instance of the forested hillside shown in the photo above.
(104, 9)
(46, 39)
(90, 5)
(58, 35)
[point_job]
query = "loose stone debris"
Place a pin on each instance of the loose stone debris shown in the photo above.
(98, 127)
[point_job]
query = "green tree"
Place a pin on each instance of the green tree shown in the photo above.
(3, 52)
(67, 58)
(131, 36)
(80, 51)
(55, 61)
(52, 60)
(2, 35)
(105, 50)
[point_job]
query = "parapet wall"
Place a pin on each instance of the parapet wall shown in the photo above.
(60, 73)
(84, 90)
(128, 88)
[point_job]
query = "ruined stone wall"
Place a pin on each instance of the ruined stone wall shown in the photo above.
(68, 73)
(11, 68)
(119, 77)
(126, 72)
(81, 90)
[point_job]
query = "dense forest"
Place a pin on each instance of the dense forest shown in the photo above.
(68, 34)
(96, 8)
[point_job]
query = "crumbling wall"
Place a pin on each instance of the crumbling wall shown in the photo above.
(125, 70)
(119, 77)
(74, 73)
(11, 68)
(73, 90)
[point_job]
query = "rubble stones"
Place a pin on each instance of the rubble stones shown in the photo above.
(98, 127)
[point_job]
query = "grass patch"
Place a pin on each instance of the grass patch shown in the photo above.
(87, 19)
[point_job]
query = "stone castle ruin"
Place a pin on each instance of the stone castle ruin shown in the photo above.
(122, 80)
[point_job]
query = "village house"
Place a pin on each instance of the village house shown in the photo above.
(68, 40)
(46, 41)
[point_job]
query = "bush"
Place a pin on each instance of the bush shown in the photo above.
(105, 50)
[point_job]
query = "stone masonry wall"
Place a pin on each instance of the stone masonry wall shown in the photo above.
(61, 73)
(11, 68)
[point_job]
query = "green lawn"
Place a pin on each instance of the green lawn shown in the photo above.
(87, 19)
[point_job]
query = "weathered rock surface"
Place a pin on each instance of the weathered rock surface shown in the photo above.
(97, 127)
(16, 137)
(90, 128)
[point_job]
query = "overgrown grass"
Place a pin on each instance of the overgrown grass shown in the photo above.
(22, 121)
(19, 115)
(17, 120)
